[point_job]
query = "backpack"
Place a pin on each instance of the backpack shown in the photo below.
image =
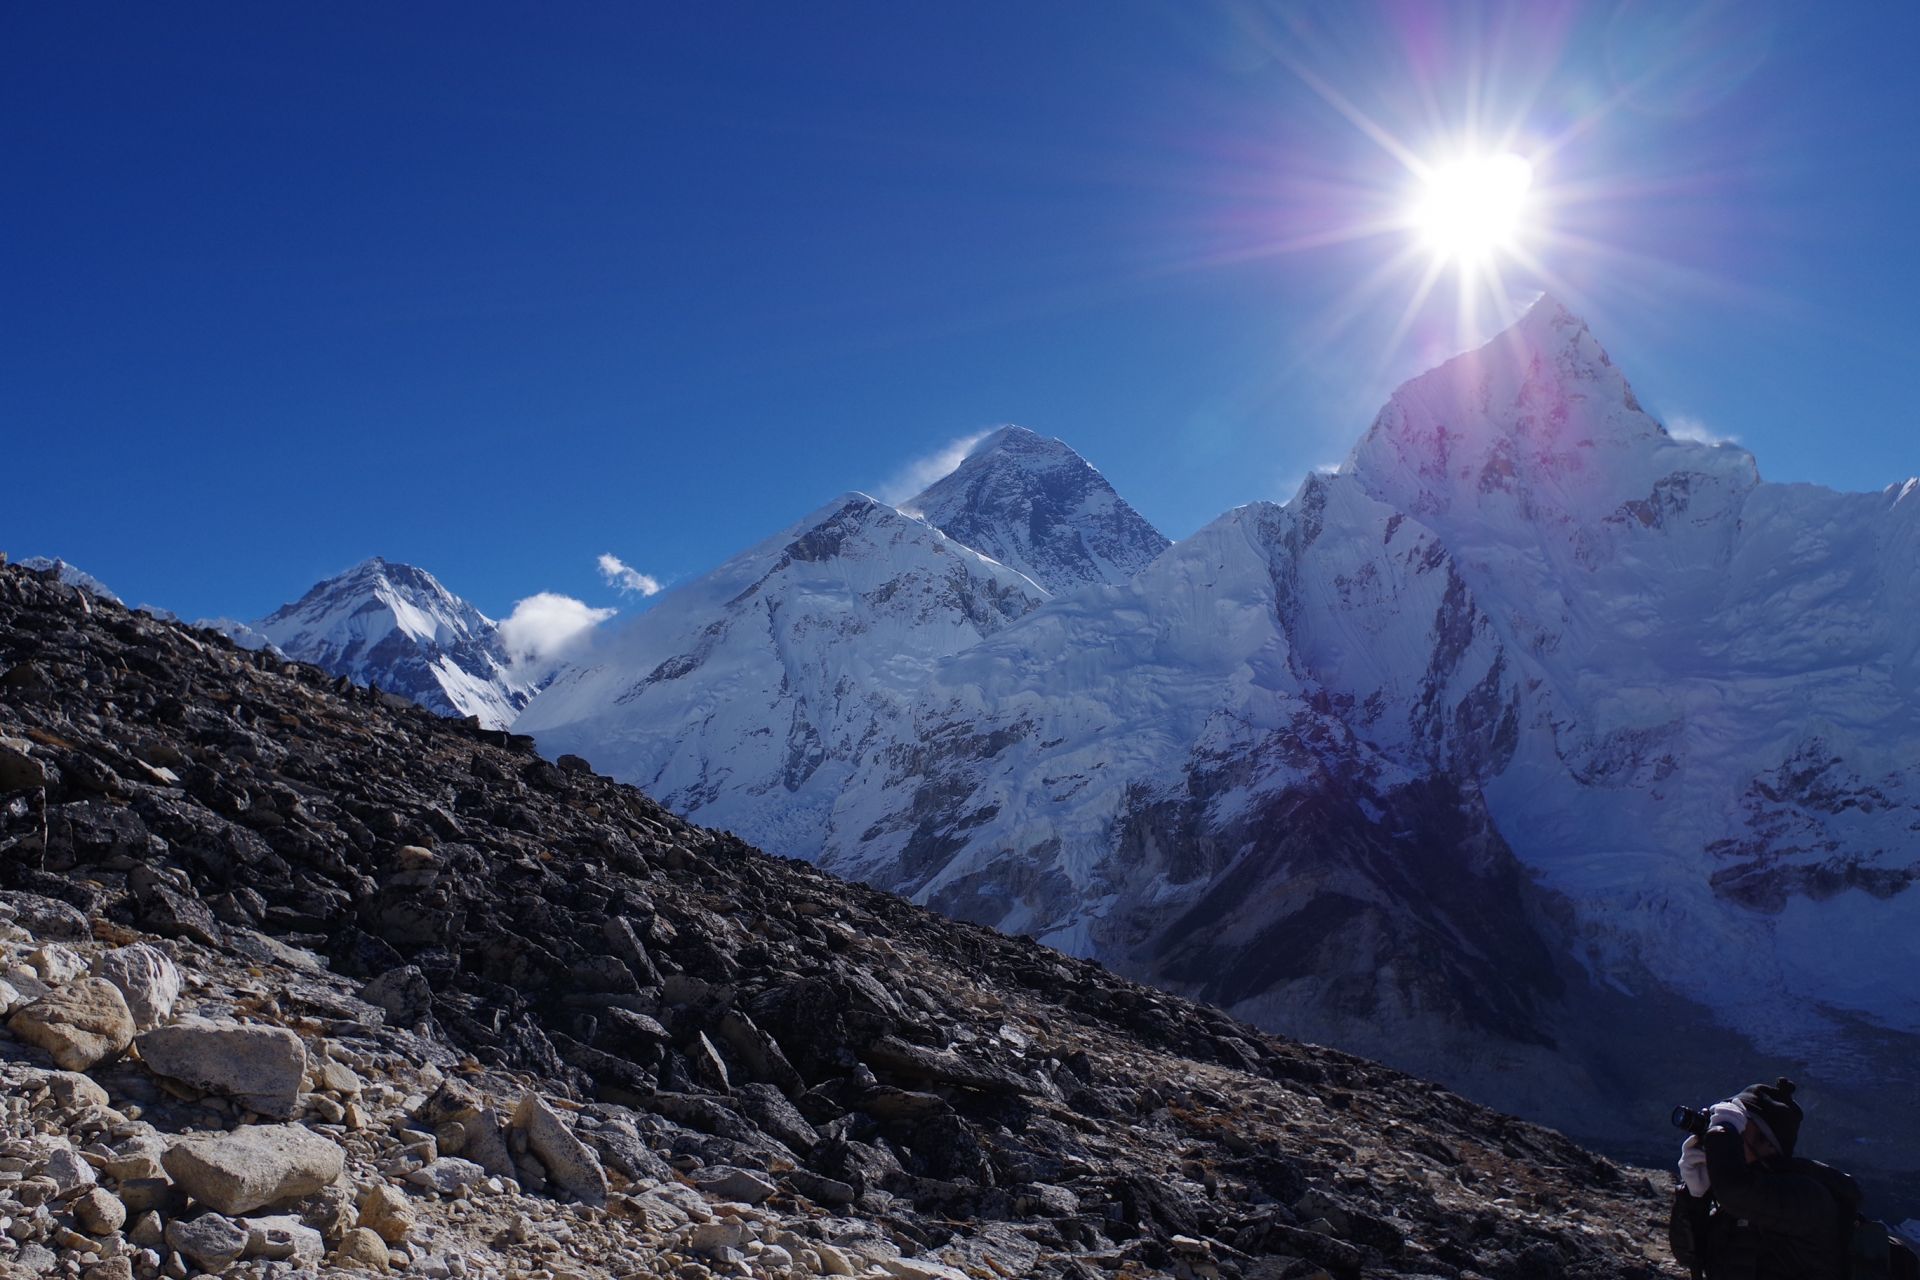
(1687, 1229)
(1875, 1253)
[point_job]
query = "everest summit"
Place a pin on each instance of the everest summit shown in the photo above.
(1037, 506)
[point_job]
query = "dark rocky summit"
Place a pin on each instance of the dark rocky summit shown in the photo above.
(300, 976)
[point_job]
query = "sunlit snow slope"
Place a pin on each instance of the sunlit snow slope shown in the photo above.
(742, 698)
(395, 626)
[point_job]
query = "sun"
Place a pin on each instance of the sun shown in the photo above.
(1474, 209)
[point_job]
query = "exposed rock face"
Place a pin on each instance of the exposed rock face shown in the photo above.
(951, 1099)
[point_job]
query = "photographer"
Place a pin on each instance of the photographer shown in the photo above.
(1748, 1209)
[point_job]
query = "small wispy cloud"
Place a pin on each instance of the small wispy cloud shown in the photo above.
(1683, 426)
(545, 626)
(624, 577)
(921, 472)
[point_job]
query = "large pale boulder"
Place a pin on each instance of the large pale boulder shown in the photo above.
(81, 1024)
(147, 980)
(253, 1166)
(262, 1068)
(568, 1162)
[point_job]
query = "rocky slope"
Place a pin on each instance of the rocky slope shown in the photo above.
(395, 626)
(298, 971)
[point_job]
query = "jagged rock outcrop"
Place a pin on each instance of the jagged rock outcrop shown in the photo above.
(776, 1072)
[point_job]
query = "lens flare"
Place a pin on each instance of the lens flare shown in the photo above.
(1475, 208)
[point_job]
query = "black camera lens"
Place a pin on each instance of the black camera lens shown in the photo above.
(1694, 1122)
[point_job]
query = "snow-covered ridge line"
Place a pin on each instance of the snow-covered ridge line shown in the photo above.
(396, 626)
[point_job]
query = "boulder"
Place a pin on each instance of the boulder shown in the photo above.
(724, 1182)
(68, 1171)
(403, 993)
(56, 965)
(43, 917)
(712, 1238)
(570, 1165)
(447, 1175)
(176, 915)
(19, 771)
(362, 1250)
(387, 1212)
(253, 1166)
(919, 1269)
(212, 1240)
(82, 1024)
(284, 1238)
(26, 985)
(147, 980)
(98, 1212)
(260, 1067)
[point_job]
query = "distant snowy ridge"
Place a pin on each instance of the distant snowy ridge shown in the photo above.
(242, 635)
(395, 626)
(70, 575)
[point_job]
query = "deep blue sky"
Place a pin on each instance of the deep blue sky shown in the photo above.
(495, 289)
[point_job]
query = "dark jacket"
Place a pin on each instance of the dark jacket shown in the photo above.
(1781, 1219)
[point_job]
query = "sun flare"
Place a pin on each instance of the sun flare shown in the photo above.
(1475, 208)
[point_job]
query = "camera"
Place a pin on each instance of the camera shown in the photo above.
(1693, 1121)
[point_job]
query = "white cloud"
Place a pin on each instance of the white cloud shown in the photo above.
(1685, 427)
(921, 472)
(624, 576)
(544, 626)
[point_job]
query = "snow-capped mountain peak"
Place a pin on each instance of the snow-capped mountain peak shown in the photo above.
(394, 625)
(1031, 502)
(743, 696)
(1536, 420)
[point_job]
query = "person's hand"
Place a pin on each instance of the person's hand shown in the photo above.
(1693, 1167)
(1729, 1113)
